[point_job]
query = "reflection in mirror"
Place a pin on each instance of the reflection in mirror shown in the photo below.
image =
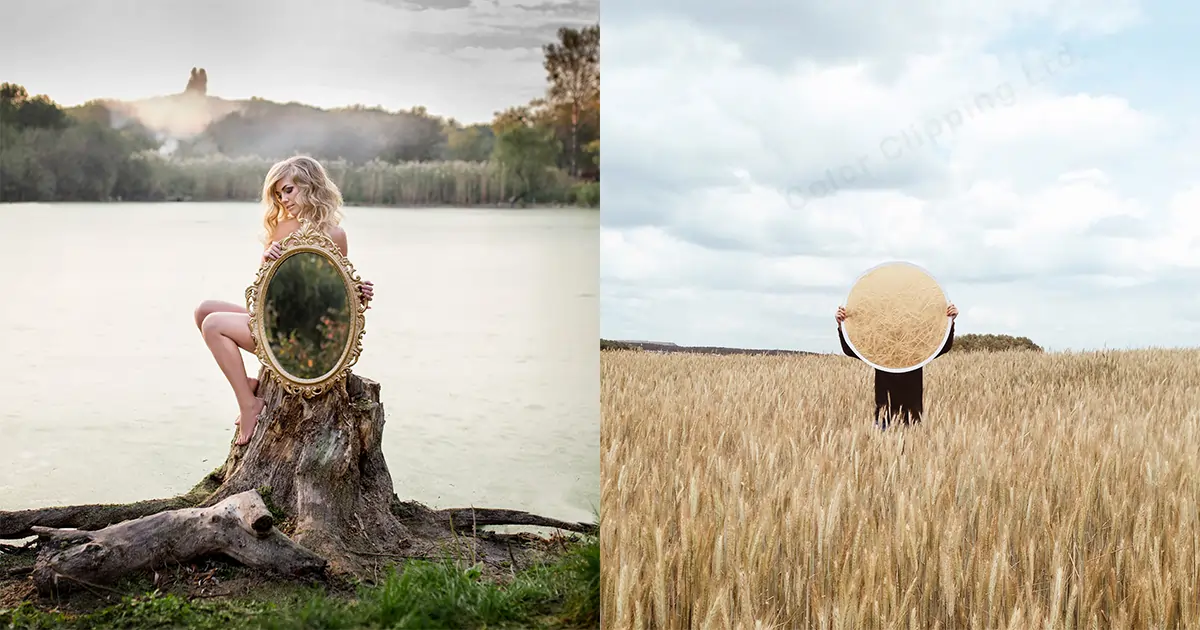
(306, 315)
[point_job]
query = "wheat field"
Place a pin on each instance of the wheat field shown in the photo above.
(1042, 491)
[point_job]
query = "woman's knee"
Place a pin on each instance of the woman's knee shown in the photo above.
(215, 323)
(208, 323)
(208, 307)
(235, 326)
(205, 309)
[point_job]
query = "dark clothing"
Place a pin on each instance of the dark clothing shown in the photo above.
(900, 396)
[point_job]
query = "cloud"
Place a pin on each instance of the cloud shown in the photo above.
(778, 34)
(492, 37)
(424, 5)
(507, 27)
(571, 9)
(755, 187)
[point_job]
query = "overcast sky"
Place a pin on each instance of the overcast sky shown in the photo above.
(460, 58)
(1038, 157)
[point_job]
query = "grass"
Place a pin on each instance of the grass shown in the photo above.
(1046, 490)
(425, 595)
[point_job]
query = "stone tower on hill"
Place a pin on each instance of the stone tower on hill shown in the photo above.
(198, 83)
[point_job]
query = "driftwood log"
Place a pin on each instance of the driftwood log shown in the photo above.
(240, 527)
(311, 491)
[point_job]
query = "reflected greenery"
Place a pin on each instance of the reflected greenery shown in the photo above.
(307, 315)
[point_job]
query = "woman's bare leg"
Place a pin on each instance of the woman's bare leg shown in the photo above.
(208, 307)
(226, 335)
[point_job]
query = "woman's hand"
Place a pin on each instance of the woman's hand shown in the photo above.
(951, 311)
(273, 252)
(841, 315)
(367, 291)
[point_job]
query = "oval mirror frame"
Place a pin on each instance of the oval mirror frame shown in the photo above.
(307, 239)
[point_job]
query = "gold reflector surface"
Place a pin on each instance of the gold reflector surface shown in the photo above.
(896, 317)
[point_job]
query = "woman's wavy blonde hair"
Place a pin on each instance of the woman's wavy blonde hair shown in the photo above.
(318, 198)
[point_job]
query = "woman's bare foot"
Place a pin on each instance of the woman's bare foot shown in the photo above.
(253, 390)
(246, 429)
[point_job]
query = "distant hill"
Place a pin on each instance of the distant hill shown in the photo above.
(178, 116)
(663, 347)
(194, 124)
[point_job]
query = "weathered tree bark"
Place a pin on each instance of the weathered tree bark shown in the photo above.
(318, 465)
(240, 527)
(321, 463)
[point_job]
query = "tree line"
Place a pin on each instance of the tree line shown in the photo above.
(546, 151)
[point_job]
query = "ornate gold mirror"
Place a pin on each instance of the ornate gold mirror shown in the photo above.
(306, 314)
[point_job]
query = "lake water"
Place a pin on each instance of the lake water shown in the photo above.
(482, 335)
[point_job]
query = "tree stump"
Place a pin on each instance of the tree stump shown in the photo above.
(318, 466)
(320, 461)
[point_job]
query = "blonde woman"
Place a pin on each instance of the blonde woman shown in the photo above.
(296, 188)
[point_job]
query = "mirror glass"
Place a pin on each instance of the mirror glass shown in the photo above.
(306, 315)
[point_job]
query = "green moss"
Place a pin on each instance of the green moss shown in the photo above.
(277, 512)
(207, 485)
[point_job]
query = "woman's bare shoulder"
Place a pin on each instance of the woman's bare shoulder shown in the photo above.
(339, 238)
(285, 227)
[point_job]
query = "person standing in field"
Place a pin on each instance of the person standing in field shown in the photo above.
(899, 396)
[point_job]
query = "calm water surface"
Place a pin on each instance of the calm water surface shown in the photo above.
(482, 335)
